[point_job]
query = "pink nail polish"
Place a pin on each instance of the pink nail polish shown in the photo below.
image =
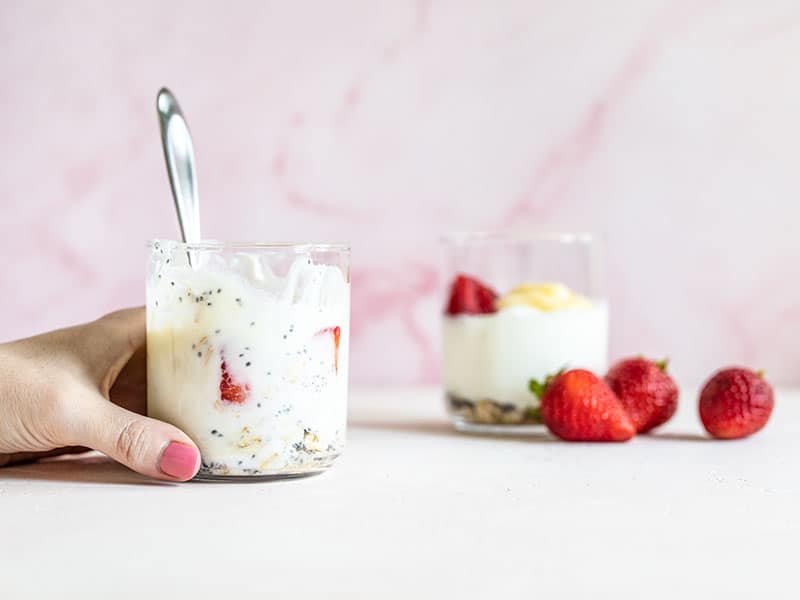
(179, 461)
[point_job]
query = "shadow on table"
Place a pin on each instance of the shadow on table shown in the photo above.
(679, 437)
(444, 428)
(93, 468)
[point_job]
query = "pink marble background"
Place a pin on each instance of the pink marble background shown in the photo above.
(671, 126)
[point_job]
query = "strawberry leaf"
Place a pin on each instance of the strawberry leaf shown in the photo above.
(537, 388)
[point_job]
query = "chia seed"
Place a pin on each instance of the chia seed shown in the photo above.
(247, 364)
(199, 355)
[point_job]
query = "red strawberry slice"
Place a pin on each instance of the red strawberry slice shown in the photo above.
(336, 332)
(230, 390)
(470, 296)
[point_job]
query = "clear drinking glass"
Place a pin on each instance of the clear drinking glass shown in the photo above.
(520, 308)
(247, 352)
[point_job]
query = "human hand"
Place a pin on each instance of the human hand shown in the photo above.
(86, 386)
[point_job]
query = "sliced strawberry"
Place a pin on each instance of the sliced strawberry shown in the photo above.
(231, 391)
(336, 332)
(470, 296)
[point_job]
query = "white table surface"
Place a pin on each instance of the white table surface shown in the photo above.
(413, 509)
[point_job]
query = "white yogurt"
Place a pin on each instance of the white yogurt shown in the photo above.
(284, 345)
(494, 356)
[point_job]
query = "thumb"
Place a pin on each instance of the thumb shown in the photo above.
(146, 445)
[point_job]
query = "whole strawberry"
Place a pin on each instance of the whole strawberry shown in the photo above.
(578, 406)
(735, 403)
(645, 390)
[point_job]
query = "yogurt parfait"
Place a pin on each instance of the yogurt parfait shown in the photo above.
(247, 352)
(496, 341)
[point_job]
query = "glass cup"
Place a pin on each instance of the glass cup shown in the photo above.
(520, 308)
(247, 352)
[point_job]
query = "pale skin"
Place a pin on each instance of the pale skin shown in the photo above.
(85, 387)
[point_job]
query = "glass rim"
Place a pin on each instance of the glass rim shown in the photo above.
(490, 237)
(219, 245)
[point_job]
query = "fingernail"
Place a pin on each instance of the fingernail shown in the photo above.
(179, 461)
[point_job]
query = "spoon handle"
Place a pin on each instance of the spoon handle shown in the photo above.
(179, 155)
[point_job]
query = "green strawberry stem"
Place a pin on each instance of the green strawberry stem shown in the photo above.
(662, 364)
(537, 388)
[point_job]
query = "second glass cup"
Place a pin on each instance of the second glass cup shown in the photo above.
(247, 352)
(519, 308)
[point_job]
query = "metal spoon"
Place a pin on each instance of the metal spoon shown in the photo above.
(179, 156)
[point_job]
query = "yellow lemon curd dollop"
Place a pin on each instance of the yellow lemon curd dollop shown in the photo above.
(544, 296)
